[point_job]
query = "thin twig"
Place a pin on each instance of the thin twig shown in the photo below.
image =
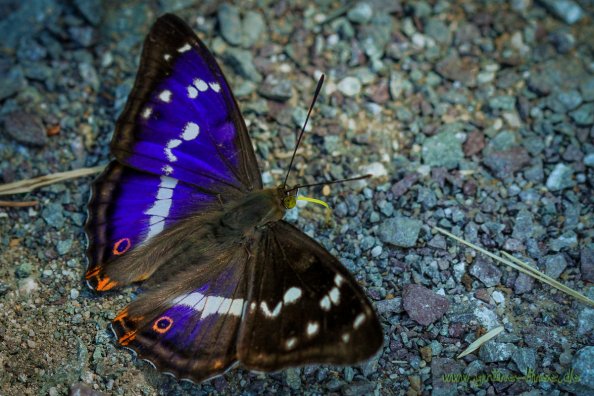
(28, 185)
(14, 204)
(522, 267)
(480, 341)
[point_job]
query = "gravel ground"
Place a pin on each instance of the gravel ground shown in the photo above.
(476, 116)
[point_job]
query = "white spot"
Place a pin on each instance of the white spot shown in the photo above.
(312, 328)
(210, 305)
(167, 170)
(146, 113)
(164, 193)
(165, 96)
(168, 182)
(291, 342)
(191, 131)
(167, 57)
(160, 208)
(252, 306)
(173, 143)
(155, 228)
(266, 311)
(184, 48)
(292, 295)
(200, 84)
(325, 303)
(359, 321)
(338, 280)
(334, 295)
(192, 92)
(346, 337)
(215, 87)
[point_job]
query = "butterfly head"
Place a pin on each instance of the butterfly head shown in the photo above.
(288, 197)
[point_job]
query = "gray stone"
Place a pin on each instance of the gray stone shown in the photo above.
(506, 163)
(25, 128)
(585, 321)
(442, 150)
(53, 215)
(560, 178)
(92, 10)
(360, 13)
(587, 263)
(23, 270)
(438, 30)
(293, 378)
(583, 115)
(27, 20)
(567, 10)
(525, 359)
(554, 265)
(242, 62)
(400, 231)
(523, 283)
(63, 247)
(440, 368)
(587, 89)
(230, 23)
(253, 28)
(12, 82)
(349, 86)
(486, 272)
(275, 88)
(493, 351)
(569, 99)
(583, 364)
(392, 306)
(566, 240)
(503, 102)
(589, 160)
(524, 225)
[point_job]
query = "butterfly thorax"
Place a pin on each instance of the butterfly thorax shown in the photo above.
(252, 211)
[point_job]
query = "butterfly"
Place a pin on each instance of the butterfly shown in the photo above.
(182, 208)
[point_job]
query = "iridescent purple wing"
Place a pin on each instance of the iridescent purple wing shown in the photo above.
(180, 144)
(190, 335)
(181, 119)
(127, 208)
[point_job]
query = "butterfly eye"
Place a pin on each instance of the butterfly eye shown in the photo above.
(289, 201)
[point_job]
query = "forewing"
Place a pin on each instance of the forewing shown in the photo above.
(128, 208)
(303, 307)
(190, 334)
(181, 119)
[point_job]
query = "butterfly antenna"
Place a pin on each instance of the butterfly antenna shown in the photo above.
(330, 182)
(318, 88)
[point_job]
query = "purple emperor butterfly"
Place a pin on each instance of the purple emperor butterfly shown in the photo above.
(182, 207)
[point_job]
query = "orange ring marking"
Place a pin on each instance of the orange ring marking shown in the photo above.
(162, 330)
(116, 246)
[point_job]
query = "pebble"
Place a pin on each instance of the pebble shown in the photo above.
(254, 27)
(442, 150)
(23, 270)
(567, 10)
(375, 169)
(349, 86)
(53, 215)
(525, 359)
(486, 272)
(566, 240)
(463, 70)
(74, 293)
(493, 351)
(523, 225)
(506, 163)
(585, 323)
(27, 286)
(391, 306)
(583, 115)
(583, 364)
(230, 23)
(523, 283)
(63, 247)
(587, 89)
(242, 62)
(92, 10)
(275, 88)
(560, 178)
(554, 265)
(440, 368)
(423, 305)
(587, 263)
(400, 231)
(25, 128)
(360, 13)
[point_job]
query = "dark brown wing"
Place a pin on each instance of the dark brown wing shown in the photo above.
(303, 307)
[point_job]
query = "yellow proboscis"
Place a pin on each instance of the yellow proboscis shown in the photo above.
(319, 202)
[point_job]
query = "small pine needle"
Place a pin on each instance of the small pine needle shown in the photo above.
(522, 267)
(28, 185)
(480, 341)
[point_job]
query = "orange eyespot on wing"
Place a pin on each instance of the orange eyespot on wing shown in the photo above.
(122, 246)
(163, 324)
(99, 281)
(126, 326)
